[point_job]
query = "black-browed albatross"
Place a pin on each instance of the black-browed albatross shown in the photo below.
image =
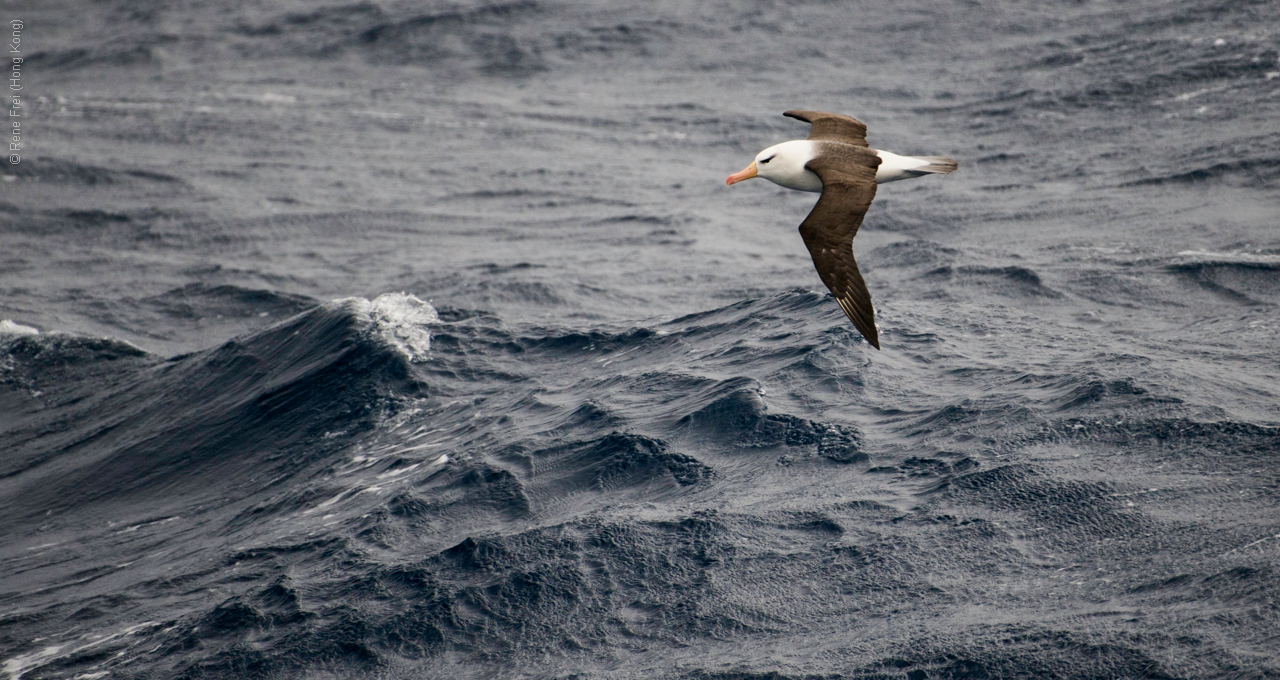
(837, 161)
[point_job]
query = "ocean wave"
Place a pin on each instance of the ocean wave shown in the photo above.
(1011, 280)
(1086, 394)
(1244, 278)
(134, 424)
(1246, 172)
(609, 463)
(64, 171)
(1224, 442)
(509, 39)
(119, 54)
(735, 414)
(913, 253)
(480, 37)
(201, 300)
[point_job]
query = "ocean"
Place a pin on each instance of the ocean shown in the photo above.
(410, 340)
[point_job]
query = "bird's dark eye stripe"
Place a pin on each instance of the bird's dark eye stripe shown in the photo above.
(768, 159)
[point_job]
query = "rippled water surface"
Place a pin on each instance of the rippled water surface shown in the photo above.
(424, 340)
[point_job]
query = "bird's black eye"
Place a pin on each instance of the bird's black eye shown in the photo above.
(768, 159)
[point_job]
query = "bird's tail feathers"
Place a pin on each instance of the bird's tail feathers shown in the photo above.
(938, 165)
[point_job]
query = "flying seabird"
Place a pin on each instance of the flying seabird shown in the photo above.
(837, 161)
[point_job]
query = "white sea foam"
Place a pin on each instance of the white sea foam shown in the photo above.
(18, 666)
(1230, 256)
(398, 472)
(8, 327)
(402, 319)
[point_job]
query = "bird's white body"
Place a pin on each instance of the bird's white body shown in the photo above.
(783, 164)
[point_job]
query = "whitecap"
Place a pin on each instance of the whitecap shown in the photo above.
(400, 320)
(8, 327)
(1265, 258)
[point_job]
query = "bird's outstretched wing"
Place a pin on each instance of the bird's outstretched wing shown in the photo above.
(848, 175)
(832, 126)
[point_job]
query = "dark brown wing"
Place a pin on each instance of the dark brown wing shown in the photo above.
(848, 175)
(832, 126)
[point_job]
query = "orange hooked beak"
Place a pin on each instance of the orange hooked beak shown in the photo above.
(747, 173)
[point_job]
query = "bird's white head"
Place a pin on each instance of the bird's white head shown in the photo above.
(783, 164)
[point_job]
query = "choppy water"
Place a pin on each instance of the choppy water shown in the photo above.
(424, 340)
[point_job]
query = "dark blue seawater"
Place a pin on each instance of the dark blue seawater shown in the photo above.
(424, 340)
